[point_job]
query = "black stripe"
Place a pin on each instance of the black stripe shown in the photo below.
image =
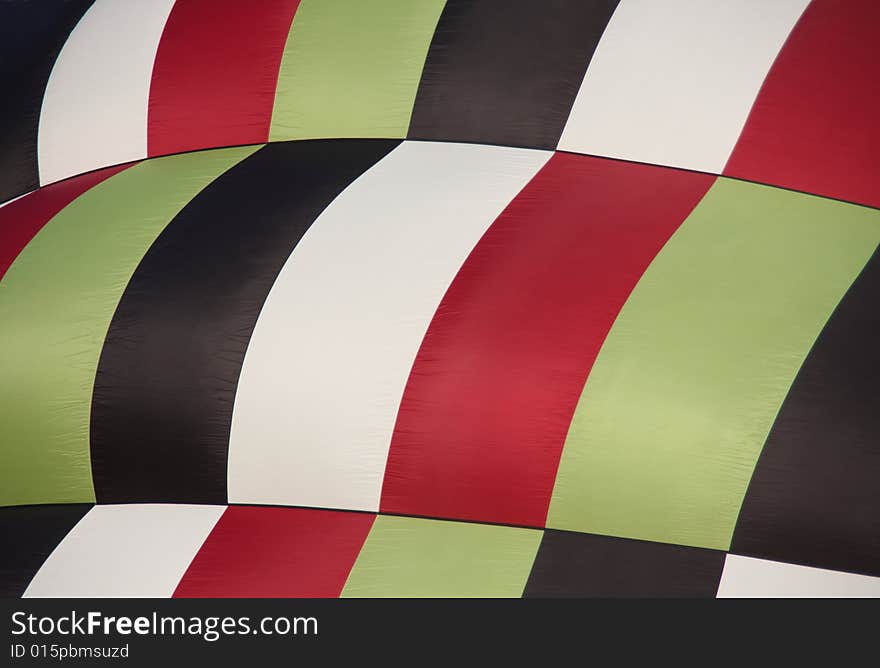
(166, 381)
(577, 565)
(506, 72)
(30, 533)
(31, 35)
(814, 498)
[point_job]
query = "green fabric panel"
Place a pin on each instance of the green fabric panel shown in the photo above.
(689, 381)
(351, 68)
(412, 557)
(56, 303)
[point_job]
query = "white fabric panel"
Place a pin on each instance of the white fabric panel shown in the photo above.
(94, 111)
(746, 577)
(334, 344)
(672, 82)
(137, 550)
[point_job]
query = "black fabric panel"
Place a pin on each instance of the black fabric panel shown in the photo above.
(814, 498)
(166, 381)
(577, 565)
(30, 533)
(506, 71)
(32, 33)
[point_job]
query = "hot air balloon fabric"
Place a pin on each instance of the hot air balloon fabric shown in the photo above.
(426, 298)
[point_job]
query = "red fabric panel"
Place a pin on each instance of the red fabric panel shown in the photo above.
(215, 74)
(491, 394)
(267, 552)
(814, 126)
(22, 219)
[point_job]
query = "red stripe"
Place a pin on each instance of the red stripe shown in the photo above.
(494, 386)
(264, 552)
(814, 126)
(22, 219)
(215, 74)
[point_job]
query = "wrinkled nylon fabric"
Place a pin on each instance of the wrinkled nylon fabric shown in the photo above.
(56, 307)
(690, 379)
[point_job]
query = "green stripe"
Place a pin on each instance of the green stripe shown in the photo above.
(351, 68)
(687, 385)
(411, 557)
(56, 303)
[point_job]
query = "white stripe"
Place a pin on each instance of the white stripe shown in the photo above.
(94, 112)
(10, 201)
(746, 577)
(334, 344)
(138, 550)
(672, 82)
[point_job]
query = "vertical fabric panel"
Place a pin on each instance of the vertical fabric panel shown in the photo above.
(815, 495)
(128, 551)
(501, 72)
(745, 577)
(814, 125)
(672, 82)
(215, 74)
(94, 112)
(56, 306)
(168, 372)
(687, 385)
(22, 218)
(30, 533)
(411, 557)
(497, 378)
(334, 344)
(579, 565)
(276, 553)
(351, 68)
(31, 35)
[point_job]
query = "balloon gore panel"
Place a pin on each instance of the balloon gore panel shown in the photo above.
(491, 394)
(31, 35)
(30, 533)
(685, 390)
(506, 73)
(818, 470)
(814, 125)
(216, 70)
(576, 565)
(179, 335)
(276, 552)
(56, 306)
